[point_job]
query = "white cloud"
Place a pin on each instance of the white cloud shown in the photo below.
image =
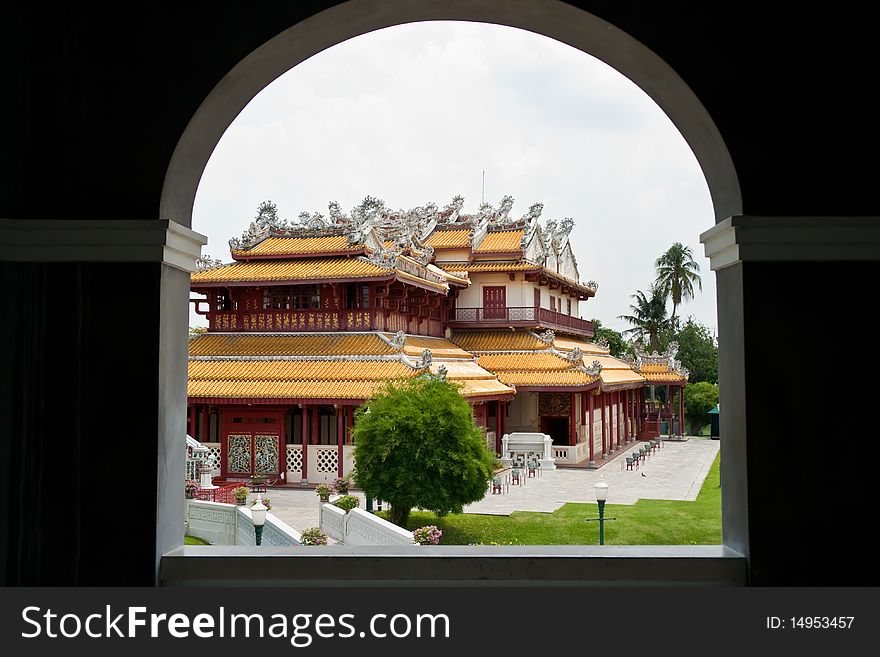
(415, 113)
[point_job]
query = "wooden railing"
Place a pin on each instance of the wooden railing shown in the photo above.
(520, 316)
(292, 320)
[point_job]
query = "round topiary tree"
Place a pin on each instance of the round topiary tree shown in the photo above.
(416, 445)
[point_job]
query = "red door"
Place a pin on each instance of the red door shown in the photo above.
(495, 302)
(252, 443)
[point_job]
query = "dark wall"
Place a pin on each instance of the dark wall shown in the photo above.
(78, 393)
(99, 98)
(93, 105)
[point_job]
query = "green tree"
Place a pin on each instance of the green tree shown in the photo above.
(617, 345)
(699, 399)
(698, 351)
(416, 445)
(676, 274)
(650, 325)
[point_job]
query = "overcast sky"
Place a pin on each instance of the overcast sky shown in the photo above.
(415, 113)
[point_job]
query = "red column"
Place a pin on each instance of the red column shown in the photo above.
(572, 420)
(617, 414)
(631, 425)
(315, 433)
(340, 432)
(504, 407)
(305, 442)
(681, 410)
(584, 396)
(203, 434)
(192, 421)
(590, 424)
(626, 402)
(499, 425)
(604, 442)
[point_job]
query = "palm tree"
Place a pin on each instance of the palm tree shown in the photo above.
(648, 318)
(676, 274)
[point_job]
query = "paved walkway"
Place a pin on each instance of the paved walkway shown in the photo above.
(674, 472)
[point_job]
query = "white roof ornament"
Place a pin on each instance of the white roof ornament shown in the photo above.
(451, 213)
(398, 340)
(207, 262)
(594, 369)
(547, 337)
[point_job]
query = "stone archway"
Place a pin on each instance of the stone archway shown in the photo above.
(551, 18)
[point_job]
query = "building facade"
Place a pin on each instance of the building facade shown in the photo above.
(311, 318)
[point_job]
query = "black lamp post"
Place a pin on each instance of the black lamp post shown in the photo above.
(258, 515)
(601, 495)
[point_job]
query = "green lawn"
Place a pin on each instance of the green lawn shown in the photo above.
(192, 540)
(648, 522)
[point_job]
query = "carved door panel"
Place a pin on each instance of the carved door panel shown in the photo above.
(239, 455)
(494, 302)
(248, 454)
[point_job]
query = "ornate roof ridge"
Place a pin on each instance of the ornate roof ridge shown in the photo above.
(413, 363)
(322, 334)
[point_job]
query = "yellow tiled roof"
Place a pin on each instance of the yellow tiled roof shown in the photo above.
(567, 344)
(532, 362)
(670, 377)
(461, 369)
(298, 370)
(300, 246)
(454, 277)
(500, 242)
(547, 378)
(334, 344)
(449, 239)
(440, 347)
(497, 341)
(491, 266)
(323, 379)
(660, 372)
(285, 389)
(617, 377)
(614, 371)
(210, 377)
(483, 387)
(405, 276)
(291, 270)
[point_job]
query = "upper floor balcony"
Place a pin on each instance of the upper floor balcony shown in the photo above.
(519, 317)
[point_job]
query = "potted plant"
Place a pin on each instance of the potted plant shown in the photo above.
(265, 502)
(191, 489)
(323, 491)
(241, 494)
(342, 484)
(347, 502)
(313, 536)
(428, 535)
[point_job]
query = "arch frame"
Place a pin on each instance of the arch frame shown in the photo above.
(551, 18)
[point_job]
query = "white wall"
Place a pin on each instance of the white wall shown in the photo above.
(359, 527)
(519, 292)
(227, 524)
(523, 415)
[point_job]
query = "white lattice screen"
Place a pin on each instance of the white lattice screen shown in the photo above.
(214, 454)
(327, 459)
(294, 458)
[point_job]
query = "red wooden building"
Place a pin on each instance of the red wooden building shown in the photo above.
(311, 318)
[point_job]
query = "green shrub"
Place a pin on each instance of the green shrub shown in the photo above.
(347, 502)
(313, 536)
(416, 445)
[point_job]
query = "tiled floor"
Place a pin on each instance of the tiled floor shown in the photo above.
(674, 472)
